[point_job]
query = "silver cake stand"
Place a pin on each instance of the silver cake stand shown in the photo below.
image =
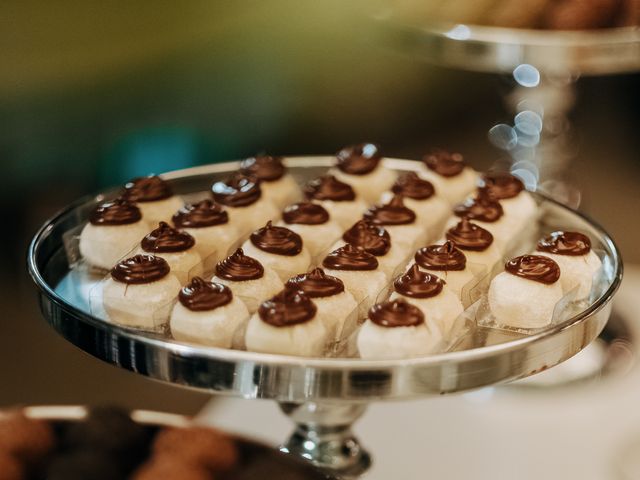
(323, 396)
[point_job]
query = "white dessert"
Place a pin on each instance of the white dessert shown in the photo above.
(154, 197)
(277, 185)
(453, 180)
(314, 225)
(476, 243)
(400, 222)
(518, 205)
(338, 198)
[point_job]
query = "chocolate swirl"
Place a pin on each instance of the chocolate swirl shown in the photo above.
(265, 167)
(534, 267)
(482, 208)
(373, 239)
(277, 240)
(469, 236)
(305, 213)
(238, 267)
(287, 308)
(418, 284)
(396, 313)
(359, 159)
(237, 191)
(200, 295)
(140, 269)
(565, 243)
(316, 284)
(444, 163)
(329, 187)
(410, 185)
(501, 185)
(205, 213)
(117, 212)
(147, 189)
(444, 257)
(166, 239)
(392, 213)
(350, 257)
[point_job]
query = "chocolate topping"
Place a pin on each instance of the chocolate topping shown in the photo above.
(117, 212)
(502, 185)
(140, 269)
(166, 239)
(444, 163)
(147, 189)
(350, 257)
(374, 239)
(287, 308)
(410, 185)
(396, 313)
(483, 208)
(200, 295)
(534, 267)
(444, 257)
(316, 284)
(305, 213)
(238, 267)
(265, 167)
(205, 213)
(393, 213)
(565, 243)
(277, 240)
(418, 284)
(359, 159)
(237, 191)
(469, 236)
(329, 187)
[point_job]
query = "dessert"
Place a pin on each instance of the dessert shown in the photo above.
(447, 262)
(242, 196)
(280, 249)
(208, 223)
(277, 185)
(337, 197)
(453, 179)
(361, 167)
(431, 295)
(248, 279)
(335, 305)
(154, 197)
(518, 205)
(526, 293)
(400, 221)
(177, 248)
(139, 290)
(396, 329)
(287, 324)
(578, 263)
(207, 313)
(476, 243)
(314, 225)
(359, 272)
(113, 230)
(168, 469)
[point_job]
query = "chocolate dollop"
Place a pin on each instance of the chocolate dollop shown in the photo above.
(418, 284)
(534, 267)
(166, 239)
(444, 163)
(565, 243)
(265, 167)
(147, 189)
(482, 208)
(200, 295)
(392, 213)
(501, 185)
(329, 187)
(469, 236)
(305, 213)
(359, 159)
(140, 269)
(374, 239)
(444, 257)
(396, 313)
(287, 308)
(410, 185)
(316, 284)
(205, 213)
(239, 190)
(350, 257)
(239, 267)
(117, 212)
(277, 240)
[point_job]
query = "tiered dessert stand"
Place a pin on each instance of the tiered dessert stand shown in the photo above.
(323, 396)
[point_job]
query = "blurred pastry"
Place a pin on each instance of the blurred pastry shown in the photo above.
(518, 205)
(25, 439)
(476, 243)
(581, 14)
(314, 224)
(154, 197)
(400, 221)
(337, 197)
(518, 13)
(277, 185)
(449, 173)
